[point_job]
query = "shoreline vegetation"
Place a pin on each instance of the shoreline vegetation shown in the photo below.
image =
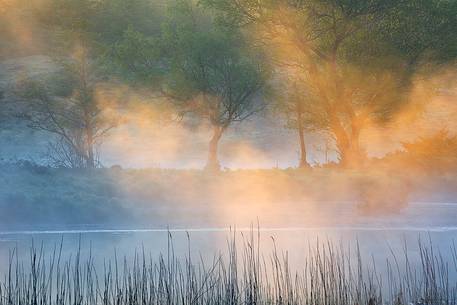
(241, 274)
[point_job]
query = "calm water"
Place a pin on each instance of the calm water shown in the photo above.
(377, 236)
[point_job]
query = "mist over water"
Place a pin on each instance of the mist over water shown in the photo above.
(377, 237)
(301, 134)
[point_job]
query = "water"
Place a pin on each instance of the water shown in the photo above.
(378, 237)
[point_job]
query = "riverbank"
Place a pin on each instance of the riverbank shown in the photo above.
(34, 196)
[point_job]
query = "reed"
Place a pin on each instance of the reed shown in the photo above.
(331, 275)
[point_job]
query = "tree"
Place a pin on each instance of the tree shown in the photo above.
(294, 102)
(357, 57)
(83, 33)
(212, 72)
(66, 105)
(203, 69)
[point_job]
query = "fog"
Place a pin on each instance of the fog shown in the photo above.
(115, 158)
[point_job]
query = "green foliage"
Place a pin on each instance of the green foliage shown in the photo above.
(113, 17)
(423, 30)
(128, 33)
(354, 59)
(410, 28)
(238, 13)
(136, 58)
(96, 25)
(211, 65)
(348, 62)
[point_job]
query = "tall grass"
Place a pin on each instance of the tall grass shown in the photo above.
(330, 275)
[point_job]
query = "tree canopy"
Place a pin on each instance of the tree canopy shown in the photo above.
(204, 68)
(355, 59)
(334, 66)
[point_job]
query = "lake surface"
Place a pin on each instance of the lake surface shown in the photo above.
(378, 237)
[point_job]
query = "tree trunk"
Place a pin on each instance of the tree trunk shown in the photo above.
(213, 162)
(90, 161)
(341, 138)
(301, 134)
(303, 163)
(91, 156)
(355, 158)
(348, 145)
(88, 105)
